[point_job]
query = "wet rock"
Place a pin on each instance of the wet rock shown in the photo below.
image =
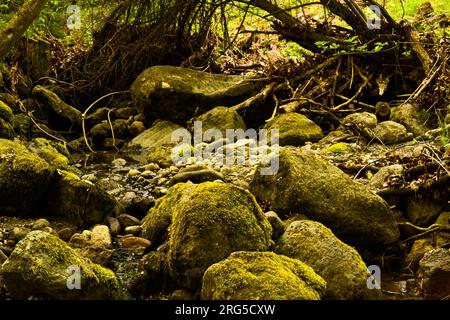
(153, 276)
(412, 117)
(380, 178)
(221, 119)
(154, 144)
(136, 128)
(207, 222)
(114, 225)
(418, 250)
(338, 264)
(294, 129)
(134, 230)
(434, 274)
(123, 113)
(134, 243)
(390, 132)
(276, 223)
(261, 276)
(422, 210)
(127, 220)
(176, 94)
(40, 265)
(24, 179)
(82, 202)
(307, 184)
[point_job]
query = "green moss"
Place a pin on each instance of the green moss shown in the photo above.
(6, 129)
(261, 276)
(339, 264)
(38, 266)
(340, 148)
(24, 178)
(162, 155)
(207, 222)
(46, 150)
(295, 129)
(5, 112)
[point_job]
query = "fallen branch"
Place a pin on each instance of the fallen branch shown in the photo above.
(257, 99)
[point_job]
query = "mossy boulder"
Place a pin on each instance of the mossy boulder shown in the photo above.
(47, 150)
(40, 266)
(295, 129)
(363, 122)
(306, 183)
(412, 117)
(222, 119)
(5, 112)
(80, 201)
(390, 132)
(154, 144)
(10, 101)
(339, 264)
(6, 130)
(178, 94)
(206, 223)
(261, 276)
(58, 106)
(24, 179)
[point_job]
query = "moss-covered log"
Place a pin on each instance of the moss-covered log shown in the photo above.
(15, 28)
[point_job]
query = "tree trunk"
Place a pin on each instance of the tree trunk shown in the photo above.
(11, 32)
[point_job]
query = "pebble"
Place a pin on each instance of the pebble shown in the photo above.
(134, 242)
(18, 233)
(119, 162)
(152, 167)
(148, 174)
(133, 173)
(40, 224)
(89, 177)
(127, 220)
(114, 225)
(101, 237)
(134, 230)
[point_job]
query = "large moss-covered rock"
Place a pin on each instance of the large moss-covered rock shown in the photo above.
(295, 129)
(261, 276)
(177, 94)
(222, 119)
(390, 132)
(305, 183)
(40, 266)
(154, 144)
(363, 122)
(412, 117)
(62, 109)
(339, 264)
(5, 112)
(80, 201)
(24, 179)
(207, 222)
(47, 150)
(6, 130)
